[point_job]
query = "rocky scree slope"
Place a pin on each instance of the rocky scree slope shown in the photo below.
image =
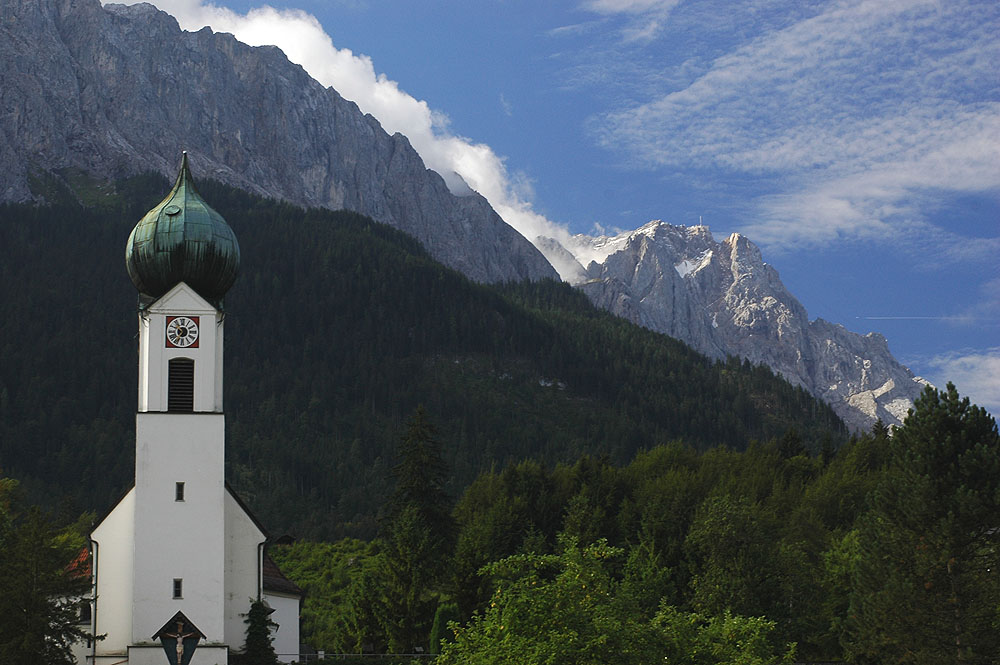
(118, 90)
(722, 299)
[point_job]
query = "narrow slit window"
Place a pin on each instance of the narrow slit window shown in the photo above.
(180, 385)
(84, 612)
(178, 587)
(178, 491)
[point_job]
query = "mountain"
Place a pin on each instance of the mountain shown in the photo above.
(336, 330)
(106, 92)
(724, 300)
(118, 90)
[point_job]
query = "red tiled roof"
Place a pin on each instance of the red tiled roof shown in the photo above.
(80, 565)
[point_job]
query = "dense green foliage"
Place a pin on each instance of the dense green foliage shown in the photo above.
(337, 329)
(39, 588)
(326, 572)
(885, 551)
(696, 537)
(931, 542)
(569, 608)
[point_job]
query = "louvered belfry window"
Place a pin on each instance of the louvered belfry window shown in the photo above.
(180, 385)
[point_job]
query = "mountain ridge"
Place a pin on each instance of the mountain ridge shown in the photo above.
(118, 90)
(723, 299)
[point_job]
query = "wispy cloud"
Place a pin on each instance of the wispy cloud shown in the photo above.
(461, 162)
(984, 313)
(646, 17)
(913, 318)
(506, 106)
(574, 29)
(976, 374)
(854, 116)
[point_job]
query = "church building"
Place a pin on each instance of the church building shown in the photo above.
(178, 561)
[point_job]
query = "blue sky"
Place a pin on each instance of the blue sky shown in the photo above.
(857, 142)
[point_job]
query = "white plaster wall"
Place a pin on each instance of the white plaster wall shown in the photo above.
(154, 355)
(79, 650)
(242, 570)
(113, 566)
(179, 539)
(286, 635)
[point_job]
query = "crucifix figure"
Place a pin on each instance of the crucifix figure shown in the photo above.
(179, 636)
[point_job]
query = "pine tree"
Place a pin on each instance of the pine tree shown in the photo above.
(926, 586)
(417, 534)
(259, 648)
(420, 476)
(40, 589)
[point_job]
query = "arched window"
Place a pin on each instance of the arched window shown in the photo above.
(180, 385)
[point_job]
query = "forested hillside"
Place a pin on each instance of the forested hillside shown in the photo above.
(883, 552)
(336, 330)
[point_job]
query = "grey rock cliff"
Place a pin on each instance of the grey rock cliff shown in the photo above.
(722, 299)
(118, 90)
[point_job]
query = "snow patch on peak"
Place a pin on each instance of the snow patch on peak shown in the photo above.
(688, 266)
(648, 229)
(589, 249)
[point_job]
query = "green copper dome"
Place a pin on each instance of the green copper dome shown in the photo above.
(183, 239)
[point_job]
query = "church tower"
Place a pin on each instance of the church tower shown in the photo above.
(179, 559)
(182, 257)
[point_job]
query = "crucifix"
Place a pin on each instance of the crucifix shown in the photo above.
(177, 654)
(179, 636)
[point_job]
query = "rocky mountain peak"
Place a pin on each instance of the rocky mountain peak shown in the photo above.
(723, 299)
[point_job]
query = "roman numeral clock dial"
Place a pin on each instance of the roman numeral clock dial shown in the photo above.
(182, 332)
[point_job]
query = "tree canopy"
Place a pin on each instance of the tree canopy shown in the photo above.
(931, 541)
(42, 585)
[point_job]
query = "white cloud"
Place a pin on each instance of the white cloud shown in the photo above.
(646, 17)
(506, 106)
(304, 41)
(627, 6)
(854, 115)
(975, 373)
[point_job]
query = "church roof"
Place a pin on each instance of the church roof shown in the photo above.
(275, 580)
(182, 239)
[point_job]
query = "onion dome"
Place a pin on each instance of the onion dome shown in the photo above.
(182, 239)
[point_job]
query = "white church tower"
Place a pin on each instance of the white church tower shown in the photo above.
(179, 559)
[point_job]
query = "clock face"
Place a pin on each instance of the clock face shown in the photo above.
(182, 331)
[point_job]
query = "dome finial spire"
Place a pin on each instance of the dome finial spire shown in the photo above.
(183, 239)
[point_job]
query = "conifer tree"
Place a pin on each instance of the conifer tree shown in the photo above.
(926, 587)
(420, 476)
(40, 588)
(417, 534)
(259, 645)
